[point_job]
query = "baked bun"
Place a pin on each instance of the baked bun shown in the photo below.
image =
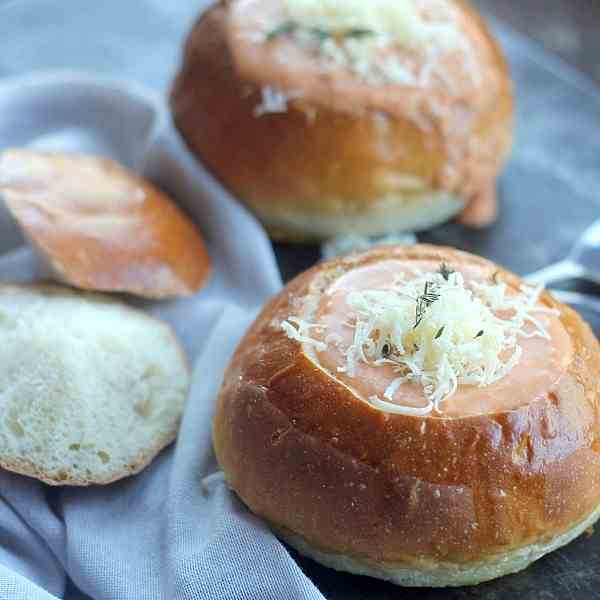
(97, 226)
(90, 389)
(381, 460)
(328, 118)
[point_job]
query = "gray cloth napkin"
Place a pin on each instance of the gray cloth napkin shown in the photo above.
(175, 530)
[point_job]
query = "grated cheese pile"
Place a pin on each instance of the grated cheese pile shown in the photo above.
(397, 19)
(356, 34)
(435, 330)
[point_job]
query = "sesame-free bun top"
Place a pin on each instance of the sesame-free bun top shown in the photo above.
(496, 478)
(319, 140)
(99, 227)
(90, 389)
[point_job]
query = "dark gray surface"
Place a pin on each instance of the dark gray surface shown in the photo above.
(569, 28)
(549, 193)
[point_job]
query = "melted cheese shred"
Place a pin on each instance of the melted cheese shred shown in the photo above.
(437, 331)
(299, 330)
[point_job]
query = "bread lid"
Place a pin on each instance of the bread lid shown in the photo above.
(99, 227)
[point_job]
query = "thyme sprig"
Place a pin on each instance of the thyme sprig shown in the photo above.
(321, 34)
(358, 32)
(425, 300)
(284, 28)
(446, 270)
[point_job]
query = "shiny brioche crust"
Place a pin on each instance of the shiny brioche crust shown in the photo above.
(317, 160)
(304, 452)
(151, 250)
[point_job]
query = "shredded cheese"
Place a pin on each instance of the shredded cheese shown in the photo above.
(358, 34)
(459, 336)
(299, 330)
(397, 19)
(435, 330)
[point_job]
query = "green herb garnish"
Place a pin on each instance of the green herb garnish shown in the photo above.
(446, 270)
(320, 34)
(284, 28)
(438, 335)
(479, 334)
(358, 33)
(424, 301)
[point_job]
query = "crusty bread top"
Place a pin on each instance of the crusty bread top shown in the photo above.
(99, 227)
(339, 155)
(90, 389)
(398, 488)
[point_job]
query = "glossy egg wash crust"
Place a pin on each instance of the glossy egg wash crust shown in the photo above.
(334, 117)
(496, 478)
(96, 226)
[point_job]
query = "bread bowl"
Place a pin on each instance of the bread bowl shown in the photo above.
(328, 118)
(482, 459)
(91, 390)
(97, 226)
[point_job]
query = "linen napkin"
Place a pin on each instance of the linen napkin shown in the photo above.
(175, 530)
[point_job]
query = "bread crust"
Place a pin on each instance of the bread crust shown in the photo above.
(97, 226)
(143, 459)
(62, 478)
(305, 453)
(436, 573)
(323, 160)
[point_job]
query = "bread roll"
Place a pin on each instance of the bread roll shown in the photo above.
(431, 436)
(90, 389)
(99, 227)
(358, 117)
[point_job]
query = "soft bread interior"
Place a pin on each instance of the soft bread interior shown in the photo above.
(90, 390)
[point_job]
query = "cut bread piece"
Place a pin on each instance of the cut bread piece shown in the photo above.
(90, 389)
(96, 226)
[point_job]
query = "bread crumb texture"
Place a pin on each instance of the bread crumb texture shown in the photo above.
(90, 390)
